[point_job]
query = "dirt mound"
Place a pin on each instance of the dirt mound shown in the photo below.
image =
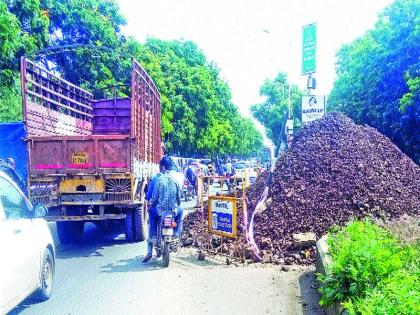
(253, 193)
(335, 170)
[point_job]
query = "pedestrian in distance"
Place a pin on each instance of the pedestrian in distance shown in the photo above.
(191, 174)
(229, 168)
(220, 168)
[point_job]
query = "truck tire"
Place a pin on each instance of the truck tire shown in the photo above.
(46, 280)
(70, 232)
(129, 226)
(140, 224)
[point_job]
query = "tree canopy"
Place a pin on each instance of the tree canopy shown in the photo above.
(82, 40)
(378, 77)
(271, 112)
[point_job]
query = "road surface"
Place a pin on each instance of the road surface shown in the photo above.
(105, 275)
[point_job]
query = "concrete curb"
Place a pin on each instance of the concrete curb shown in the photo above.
(323, 259)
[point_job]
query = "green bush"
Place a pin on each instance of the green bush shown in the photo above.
(397, 295)
(370, 271)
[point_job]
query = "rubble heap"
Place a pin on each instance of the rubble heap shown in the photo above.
(334, 171)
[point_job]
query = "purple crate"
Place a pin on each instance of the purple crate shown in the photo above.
(112, 116)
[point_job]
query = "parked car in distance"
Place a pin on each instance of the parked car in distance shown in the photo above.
(245, 170)
(27, 248)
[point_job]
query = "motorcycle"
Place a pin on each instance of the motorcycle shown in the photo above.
(187, 190)
(164, 242)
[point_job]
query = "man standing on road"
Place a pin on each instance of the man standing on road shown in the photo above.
(166, 197)
(230, 170)
(191, 175)
(220, 168)
(229, 173)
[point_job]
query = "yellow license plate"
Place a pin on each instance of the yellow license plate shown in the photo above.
(79, 158)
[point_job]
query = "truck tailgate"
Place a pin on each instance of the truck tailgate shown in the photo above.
(80, 154)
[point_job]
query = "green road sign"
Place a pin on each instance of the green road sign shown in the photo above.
(309, 49)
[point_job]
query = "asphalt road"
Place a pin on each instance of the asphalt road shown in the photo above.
(105, 275)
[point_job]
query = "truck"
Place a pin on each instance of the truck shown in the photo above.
(89, 160)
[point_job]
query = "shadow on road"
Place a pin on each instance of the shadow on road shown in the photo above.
(132, 265)
(94, 240)
(28, 302)
(309, 294)
(192, 259)
(184, 258)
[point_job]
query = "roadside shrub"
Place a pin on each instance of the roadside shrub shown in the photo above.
(363, 255)
(397, 295)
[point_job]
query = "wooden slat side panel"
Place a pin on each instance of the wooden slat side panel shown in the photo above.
(42, 121)
(52, 105)
(145, 100)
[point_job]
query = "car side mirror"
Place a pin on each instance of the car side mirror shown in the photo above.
(40, 210)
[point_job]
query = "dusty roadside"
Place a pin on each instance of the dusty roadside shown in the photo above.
(212, 287)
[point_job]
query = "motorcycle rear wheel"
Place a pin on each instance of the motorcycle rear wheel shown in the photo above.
(165, 254)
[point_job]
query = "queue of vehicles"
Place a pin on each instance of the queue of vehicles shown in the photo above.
(76, 159)
(243, 171)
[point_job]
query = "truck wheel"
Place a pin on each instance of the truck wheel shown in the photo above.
(70, 232)
(165, 254)
(129, 226)
(140, 224)
(46, 277)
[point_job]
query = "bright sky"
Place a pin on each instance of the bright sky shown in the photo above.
(251, 40)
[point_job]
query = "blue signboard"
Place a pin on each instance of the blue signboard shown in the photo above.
(222, 216)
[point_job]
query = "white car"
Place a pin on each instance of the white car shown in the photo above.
(245, 170)
(26, 247)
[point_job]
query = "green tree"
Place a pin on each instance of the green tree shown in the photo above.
(378, 77)
(23, 30)
(270, 113)
(204, 119)
(95, 27)
(82, 40)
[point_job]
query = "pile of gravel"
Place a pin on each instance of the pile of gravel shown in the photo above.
(334, 171)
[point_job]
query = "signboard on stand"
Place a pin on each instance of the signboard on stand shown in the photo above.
(309, 49)
(222, 216)
(313, 108)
